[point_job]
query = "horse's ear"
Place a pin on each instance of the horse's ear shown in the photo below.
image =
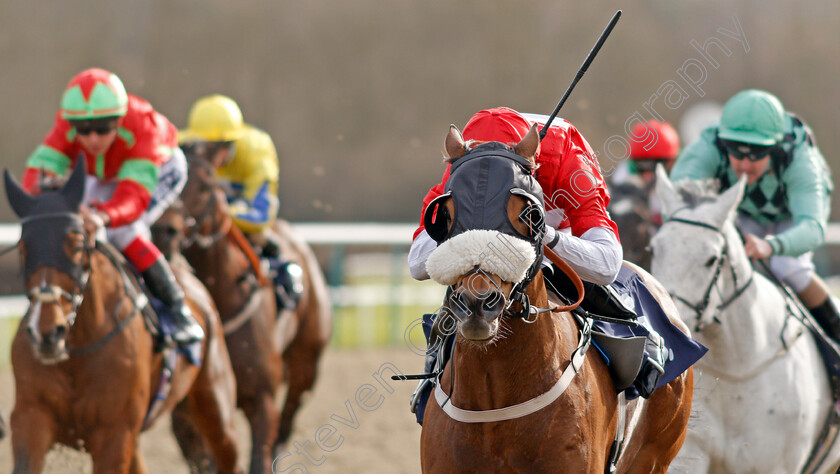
(671, 200)
(19, 199)
(74, 189)
(455, 147)
(527, 148)
(729, 200)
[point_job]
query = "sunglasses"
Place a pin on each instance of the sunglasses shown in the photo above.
(99, 128)
(740, 150)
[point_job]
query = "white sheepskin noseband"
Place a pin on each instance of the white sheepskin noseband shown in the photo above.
(490, 250)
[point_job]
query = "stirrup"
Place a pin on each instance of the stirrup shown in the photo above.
(187, 330)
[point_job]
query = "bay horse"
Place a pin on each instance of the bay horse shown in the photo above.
(265, 349)
(762, 395)
(85, 365)
(522, 394)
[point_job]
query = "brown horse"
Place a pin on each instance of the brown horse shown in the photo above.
(630, 211)
(548, 417)
(86, 370)
(266, 349)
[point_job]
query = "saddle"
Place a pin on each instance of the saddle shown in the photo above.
(156, 315)
(621, 338)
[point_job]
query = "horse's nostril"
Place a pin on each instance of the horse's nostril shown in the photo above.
(57, 334)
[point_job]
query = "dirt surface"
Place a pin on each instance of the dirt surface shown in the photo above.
(383, 439)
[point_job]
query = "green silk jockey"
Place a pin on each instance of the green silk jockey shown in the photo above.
(786, 204)
(128, 148)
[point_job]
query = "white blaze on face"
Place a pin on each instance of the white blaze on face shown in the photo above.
(492, 251)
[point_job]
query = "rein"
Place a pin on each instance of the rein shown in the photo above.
(701, 307)
(528, 310)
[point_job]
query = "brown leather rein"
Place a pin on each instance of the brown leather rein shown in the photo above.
(564, 267)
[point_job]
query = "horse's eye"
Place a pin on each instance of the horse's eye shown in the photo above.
(711, 261)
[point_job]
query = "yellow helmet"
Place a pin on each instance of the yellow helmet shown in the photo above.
(214, 118)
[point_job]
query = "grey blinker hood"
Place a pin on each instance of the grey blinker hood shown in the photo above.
(481, 235)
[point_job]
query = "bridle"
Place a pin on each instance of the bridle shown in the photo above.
(52, 294)
(701, 307)
(192, 226)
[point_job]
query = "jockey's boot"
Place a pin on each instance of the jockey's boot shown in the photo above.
(654, 365)
(161, 282)
(288, 276)
(828, 318)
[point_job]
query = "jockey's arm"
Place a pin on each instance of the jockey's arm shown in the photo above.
(50, 159)
(700, 160)
(423, 245)
(596, 255)
(807, 185)
(137, 180)
(255, 210)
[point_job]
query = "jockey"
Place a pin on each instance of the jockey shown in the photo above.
(786, 202)
(135, 170)
(644, 156)
(578, 227)
(246, 163)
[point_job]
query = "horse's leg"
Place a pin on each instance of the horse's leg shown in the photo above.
(112, 449)
(2, 425)
(263, 417)
(138, 465)
(212, 402)
(662, 428)
(33, 434)
(302, 366)
(192, 445)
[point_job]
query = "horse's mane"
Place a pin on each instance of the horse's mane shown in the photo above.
(697, 192)
(470, 144)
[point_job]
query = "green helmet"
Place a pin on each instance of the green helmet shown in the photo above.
(753, 116)
(94, 93)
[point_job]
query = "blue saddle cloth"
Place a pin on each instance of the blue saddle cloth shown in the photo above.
(682, 350)
(191, 351)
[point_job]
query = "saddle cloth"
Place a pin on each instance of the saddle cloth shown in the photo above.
(617, 341)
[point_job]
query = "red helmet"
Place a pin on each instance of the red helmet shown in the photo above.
(497, 125)
(665, 147)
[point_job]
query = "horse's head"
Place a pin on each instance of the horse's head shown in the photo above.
(489, 225)
(629, 210)
(168, 230)
(204, 204)
(697, 253)
(55, 254)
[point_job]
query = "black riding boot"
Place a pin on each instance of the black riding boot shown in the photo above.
(828, 317)
(161, 282)
(288, 276)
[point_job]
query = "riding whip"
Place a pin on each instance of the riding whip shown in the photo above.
(581, 71)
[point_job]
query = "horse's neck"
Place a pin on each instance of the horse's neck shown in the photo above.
(752, 324)
(213, 263)
(524, 362)
(105, 288)
(220, 267)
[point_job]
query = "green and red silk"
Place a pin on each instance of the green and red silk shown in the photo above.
(94, 93)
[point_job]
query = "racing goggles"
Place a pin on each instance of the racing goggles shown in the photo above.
(102, 126)
(741, 150)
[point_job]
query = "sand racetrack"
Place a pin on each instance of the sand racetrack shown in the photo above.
(386, 439)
